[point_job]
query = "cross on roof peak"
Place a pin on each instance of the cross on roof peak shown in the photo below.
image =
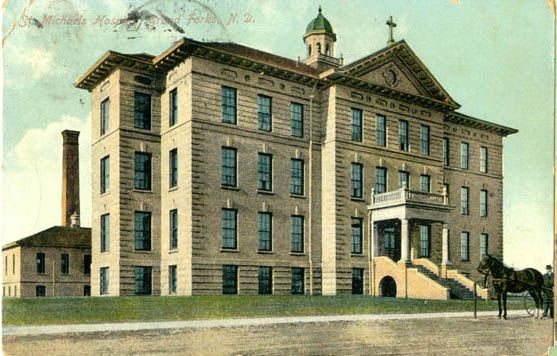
(391, 25)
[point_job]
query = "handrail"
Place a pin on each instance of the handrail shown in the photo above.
(404, 195)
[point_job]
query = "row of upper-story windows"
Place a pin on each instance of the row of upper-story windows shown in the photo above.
(141, 112)
(381, 132)
(465, 245)
(142, 231)
(381, 179)
(64, 263)
(6, 265)
(142, 171)
(465, 201)
(264, 112)
(229, 223)
(465, 156)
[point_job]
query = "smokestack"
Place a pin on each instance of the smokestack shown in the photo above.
(70, 176)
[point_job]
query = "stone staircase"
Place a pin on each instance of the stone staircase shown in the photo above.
(457, 290)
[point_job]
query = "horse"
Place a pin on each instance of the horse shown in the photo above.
(508, 280)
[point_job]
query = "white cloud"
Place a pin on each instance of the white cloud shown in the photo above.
(40, 60)
(32, 179)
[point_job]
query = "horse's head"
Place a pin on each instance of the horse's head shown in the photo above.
(485, 265)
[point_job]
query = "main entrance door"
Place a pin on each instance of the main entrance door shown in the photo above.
(391, 242)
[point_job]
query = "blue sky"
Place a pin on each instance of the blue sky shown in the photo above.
(493, 57)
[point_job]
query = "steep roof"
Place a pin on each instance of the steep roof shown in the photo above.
(56, 236)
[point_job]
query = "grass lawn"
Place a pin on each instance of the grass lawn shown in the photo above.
(41, 311)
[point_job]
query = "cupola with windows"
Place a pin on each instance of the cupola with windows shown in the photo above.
(320, 43)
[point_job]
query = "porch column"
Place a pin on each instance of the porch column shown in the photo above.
(374, 239)
(445, 254)
(404, 242)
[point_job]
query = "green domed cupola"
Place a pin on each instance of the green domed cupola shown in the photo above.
(320, 23)
(320, 42)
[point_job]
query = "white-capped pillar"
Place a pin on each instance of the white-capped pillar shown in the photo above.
(445, 251)
(404, 242)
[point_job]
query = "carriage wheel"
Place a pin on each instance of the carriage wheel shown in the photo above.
(529, 304)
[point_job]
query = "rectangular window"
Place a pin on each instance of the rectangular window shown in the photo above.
(142, 111)
(464, 155)
(357, 125)
(265, 172)
(143, 285)
(105, 112)
(105, 232)
(484, 245)
(173, 107)
(64, 263)
(297, 233)
(172, 279)
(357, 281)
(446, 190)
(142, 171)
(297, 176)
(484, 159)
(229, 228)
(381, 130)
(465, 246)
(173, 167)
(403, 135)
(380, 180)
(425, 140)
(173, 229)
(86, 290)
(464, 207)
(265, 279)
(483, 203)
(105, 174)
(264, 112)
(425, 241)
(264, 231)
(297, 119)
(298, 280)
(446, 151)
(41, 263)
(356, 233)
(104, 280)
(228, 105)
(13, 264)
(86, 265)
(142, 231)
(229, 279)
(425, 183)
(40, 291)
(5, 265)
(229, 167)
(404, 179)
(356, 179)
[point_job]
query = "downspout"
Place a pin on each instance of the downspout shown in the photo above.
(310, 189)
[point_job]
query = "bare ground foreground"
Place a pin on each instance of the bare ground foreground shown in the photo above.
(443, 336)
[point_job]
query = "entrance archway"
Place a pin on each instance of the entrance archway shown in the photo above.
(387, 287)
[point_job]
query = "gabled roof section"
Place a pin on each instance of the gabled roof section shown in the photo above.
(56, 236)
(462, 119)
(402, 54)
(107, 63)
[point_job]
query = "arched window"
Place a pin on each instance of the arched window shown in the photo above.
(318, 47)
(327, 49)
(309, 50)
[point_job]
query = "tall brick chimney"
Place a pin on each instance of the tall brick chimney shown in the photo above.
(70, 176)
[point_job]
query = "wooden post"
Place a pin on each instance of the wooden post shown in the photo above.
(475, 301)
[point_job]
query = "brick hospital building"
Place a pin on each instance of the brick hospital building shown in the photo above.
(222, 169)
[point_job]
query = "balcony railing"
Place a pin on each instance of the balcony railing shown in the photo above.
(403, 195)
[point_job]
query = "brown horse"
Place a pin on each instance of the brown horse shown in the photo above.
(508, 280)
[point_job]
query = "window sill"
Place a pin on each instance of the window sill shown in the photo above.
(265, 252)
(265, 192)
(229, 187)
(353, 254)
(235, 250)
(143, 251)
(173, 251)
(297, 253)
(105, 252)
(104, 194)
(150, 191)
(357, 199)
(297, 196)
(464, 260)
(171, 189)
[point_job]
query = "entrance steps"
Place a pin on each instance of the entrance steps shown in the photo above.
(457, 290)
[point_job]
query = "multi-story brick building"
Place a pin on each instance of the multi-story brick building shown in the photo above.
(55, 262)
(219, 168)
